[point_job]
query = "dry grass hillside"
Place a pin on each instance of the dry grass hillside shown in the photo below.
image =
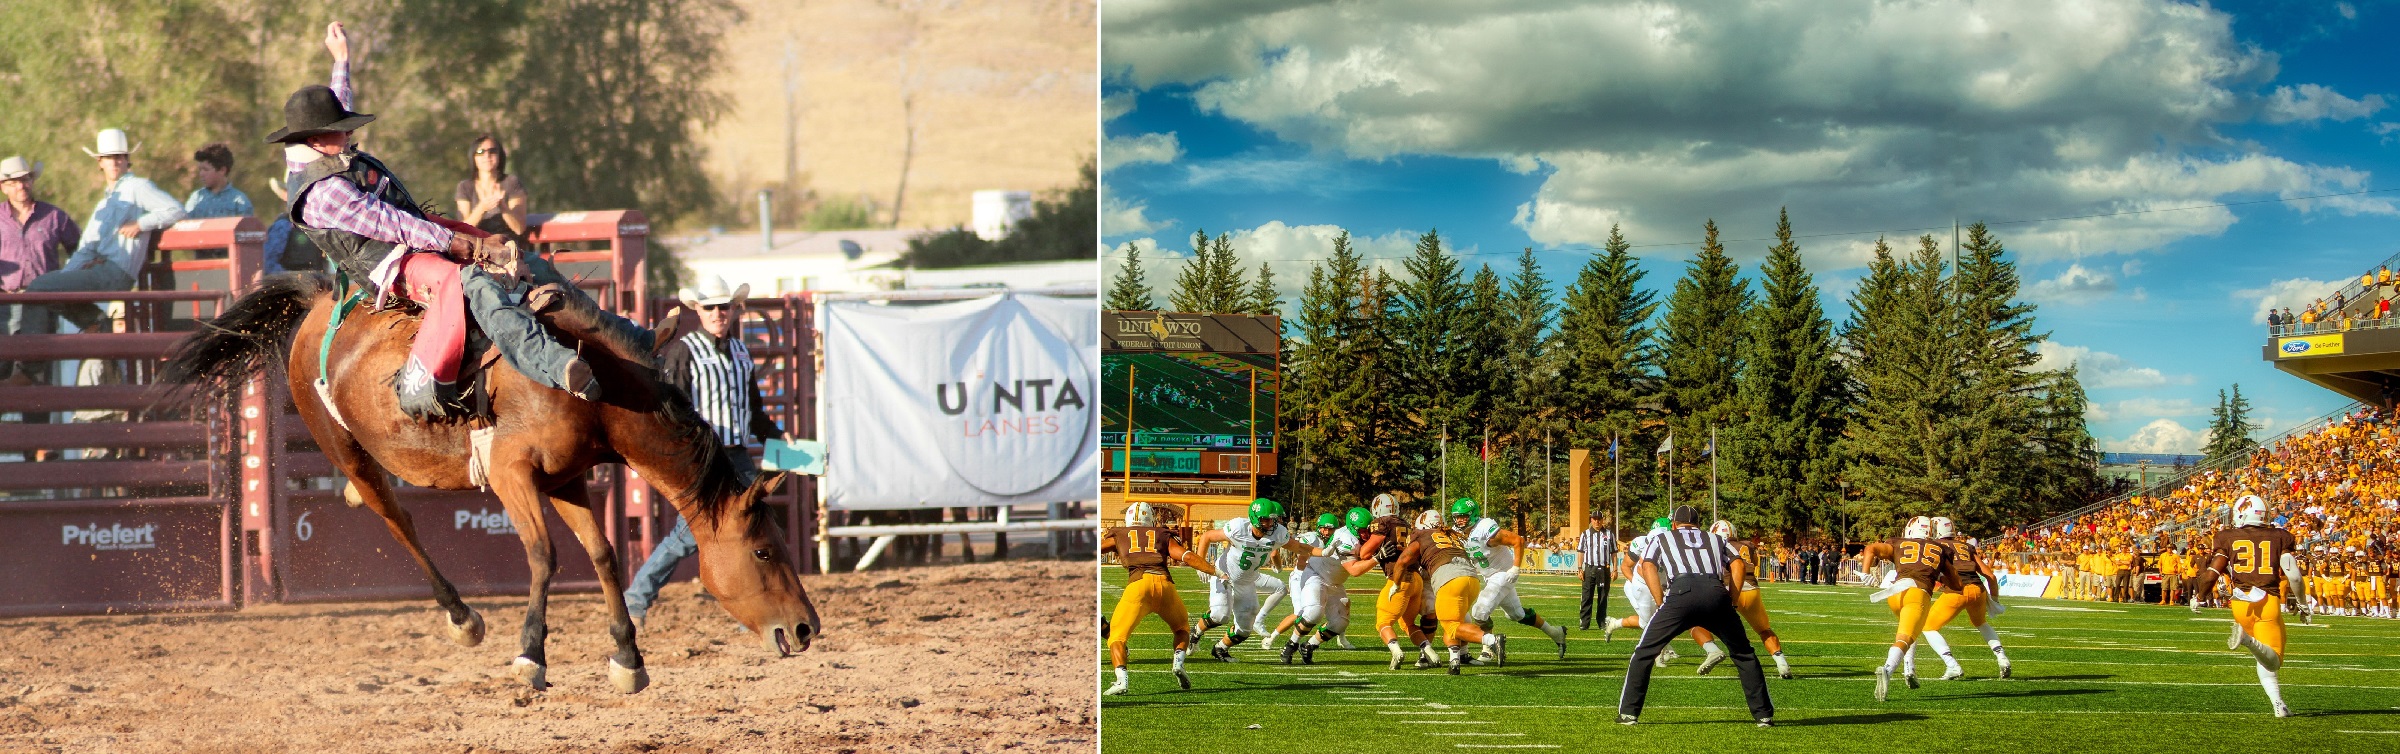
(1005, 96)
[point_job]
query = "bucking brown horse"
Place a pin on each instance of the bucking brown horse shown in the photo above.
(543, 441)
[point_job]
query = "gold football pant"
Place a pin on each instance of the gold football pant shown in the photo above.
(1948, 606)
(1910, 607)
(1399, 604)
(2262, 620)
(1146, 594)
(1451, 606)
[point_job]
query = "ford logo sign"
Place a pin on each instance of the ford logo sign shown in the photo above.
(2297, 346)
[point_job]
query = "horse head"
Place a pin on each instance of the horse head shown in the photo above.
(744, 563)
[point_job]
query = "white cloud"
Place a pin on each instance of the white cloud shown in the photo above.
(1855, 114)
(2313, 102)
(2295, 294)
(2101, 369)
(2076, 285)
(1292, 250)
(1119, 217)
(1134, 150)
(2159, 436)
(1115, 106)
(2156, 407)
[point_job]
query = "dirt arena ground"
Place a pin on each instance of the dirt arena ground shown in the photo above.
(982, 657)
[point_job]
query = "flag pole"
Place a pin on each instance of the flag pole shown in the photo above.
(1130, 369)
(1444, 492)
(1616, 488)
(1712, 473)
(1549, 514)
(1486, 467)
(1254, 432)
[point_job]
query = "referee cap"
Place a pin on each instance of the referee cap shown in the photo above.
(1685, 514)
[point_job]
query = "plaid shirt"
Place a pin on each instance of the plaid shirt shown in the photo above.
(338, 204)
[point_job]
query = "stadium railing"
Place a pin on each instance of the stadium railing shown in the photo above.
(2350, 291)
(2178, 480)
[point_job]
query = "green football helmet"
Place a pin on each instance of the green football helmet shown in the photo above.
(1265, 513)
(1464, 508)
(1328, 520)
(1358, 521)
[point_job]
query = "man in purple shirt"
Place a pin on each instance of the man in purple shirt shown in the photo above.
(357, 210)
(34, 235)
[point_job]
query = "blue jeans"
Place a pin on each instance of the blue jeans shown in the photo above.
(670, 552)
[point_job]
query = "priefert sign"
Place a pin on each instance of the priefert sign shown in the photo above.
(114, 536)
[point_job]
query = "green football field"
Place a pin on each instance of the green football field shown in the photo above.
(2088, 677)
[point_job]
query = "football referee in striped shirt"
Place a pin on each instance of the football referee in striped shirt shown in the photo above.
(1693, 566)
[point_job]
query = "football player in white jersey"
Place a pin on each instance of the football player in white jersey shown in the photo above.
(1233, 593)
(1320, 606)
(1495, 554)
(1637, 592)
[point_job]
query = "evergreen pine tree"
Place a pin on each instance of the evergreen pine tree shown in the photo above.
(1324, 402)
(1264, 300)
(2000, 394)
(1131, 290)
(1428, 322)
(1791, 397)
(1901, 358)
(1606, 363)
(1522, 417)
(1701, 359)
(1211, 281)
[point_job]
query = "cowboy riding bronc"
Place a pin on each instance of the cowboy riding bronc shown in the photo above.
(355, 209)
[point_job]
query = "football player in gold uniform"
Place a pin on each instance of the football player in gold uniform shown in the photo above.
(1923, 567)
(2266, 577)
(1973, 597)
(1145, 549)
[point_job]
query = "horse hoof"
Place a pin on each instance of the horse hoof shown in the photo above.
(350, 494)
(532, 673)
(467, 634)
(628, 680)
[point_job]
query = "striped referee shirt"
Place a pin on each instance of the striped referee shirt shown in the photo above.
(1599, 547)
(717, 374)
(1688, 552)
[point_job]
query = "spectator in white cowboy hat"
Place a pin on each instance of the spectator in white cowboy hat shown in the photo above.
(112, 249)
(34, 235)
(713, 367)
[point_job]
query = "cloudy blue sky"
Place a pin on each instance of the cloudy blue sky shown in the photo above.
(1542, 124)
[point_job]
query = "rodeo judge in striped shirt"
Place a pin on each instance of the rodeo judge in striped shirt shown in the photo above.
(713, 367)
(1693, 567)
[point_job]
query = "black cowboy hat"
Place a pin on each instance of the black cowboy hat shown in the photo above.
(314, 110)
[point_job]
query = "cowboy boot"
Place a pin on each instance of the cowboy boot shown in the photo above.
(522, 341)
(422, 398)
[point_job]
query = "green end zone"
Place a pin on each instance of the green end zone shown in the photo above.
(2088, 677)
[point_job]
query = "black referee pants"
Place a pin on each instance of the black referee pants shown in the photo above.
(1695, 601)
(1595, 580)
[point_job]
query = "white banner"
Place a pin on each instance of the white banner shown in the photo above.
(2023, 585)
(993, 401)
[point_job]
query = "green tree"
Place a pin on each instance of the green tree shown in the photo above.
(2229, 428)
(1605, 359)
(1131, 289)
(1211, 281)
(1791, 399)
(1429, 324)
(1325, 402)
(1522, 414)
(1264, 300)
(1701, 357)
(1903, 360)
(1064, 225)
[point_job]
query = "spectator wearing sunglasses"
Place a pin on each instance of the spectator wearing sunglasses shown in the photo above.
(493, 200)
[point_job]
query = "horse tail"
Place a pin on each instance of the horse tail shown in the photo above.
(252, 335)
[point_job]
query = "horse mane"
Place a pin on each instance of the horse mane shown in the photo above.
(693, 444)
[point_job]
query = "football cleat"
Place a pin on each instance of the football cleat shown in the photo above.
(1558, 634)
(2003, 671)
(1115, 689)
(1910, 679)
(1182, 679)
(2235, 642)
(1711, 662)
(1397, 658)
(1308, 654)
(1883, 682)
(1783, 667)
(1454, 665)
(1608, 631)
(1290, 648)
(1953, 674)
(1623, 719)
(1500, 652)
(1344, 642)
(1766, 722)
(2281, 710)
(1221, 652)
